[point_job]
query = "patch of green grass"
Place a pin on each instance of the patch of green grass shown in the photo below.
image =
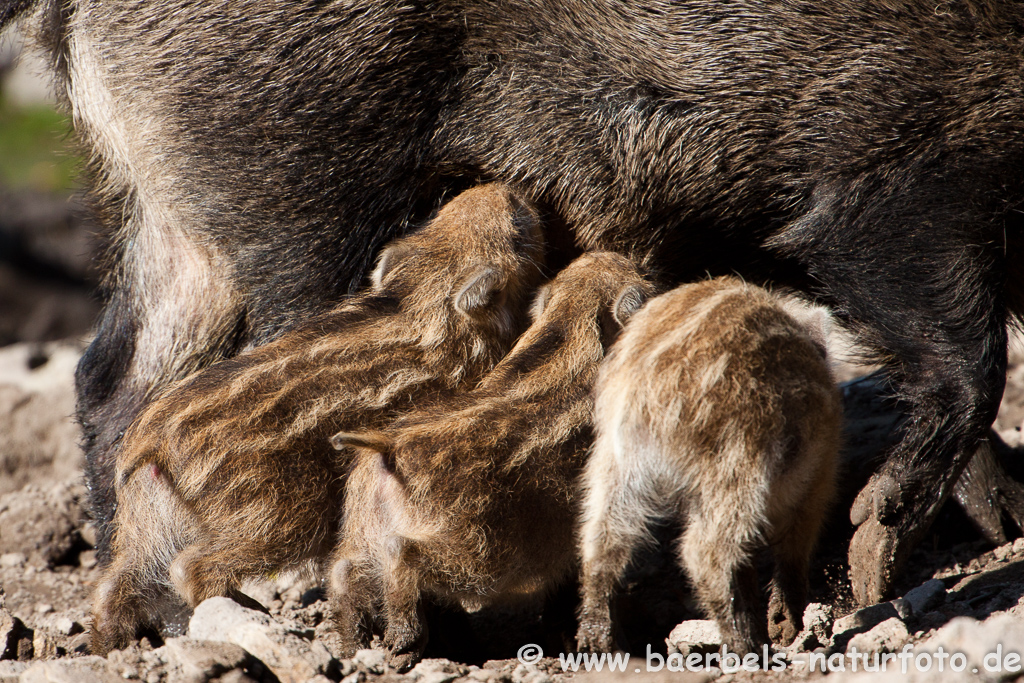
(34, 149)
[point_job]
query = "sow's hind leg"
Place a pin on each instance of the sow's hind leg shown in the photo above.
(931, 302)
(173, 311)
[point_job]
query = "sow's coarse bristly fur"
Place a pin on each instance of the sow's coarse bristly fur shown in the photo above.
(473, 500)
(251, 156)
(716, 409)
(231, 475)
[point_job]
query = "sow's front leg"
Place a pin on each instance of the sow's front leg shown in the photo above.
(989, 491)
(929, 301)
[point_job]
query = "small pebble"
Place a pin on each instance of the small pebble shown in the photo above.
(371, 660)
(12, 559)
(87, 559)
(1003, 552)
(88, 534)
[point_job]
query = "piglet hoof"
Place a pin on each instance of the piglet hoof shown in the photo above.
(403, 661)
(594, 637)
(783, 625)
(350, 643)
(102, 641)
(405, 645)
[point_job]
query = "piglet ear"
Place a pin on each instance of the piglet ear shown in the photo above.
(386, 262)
(815, 320)
(478, 290)
(629, 301)
(525, 219)
(540, 302)
(375, 441)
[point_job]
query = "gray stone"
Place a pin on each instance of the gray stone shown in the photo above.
(861, 621)
(198, 661)
(38, 433)
(977, 639)
(79, 670)
(15, 637)
(436, 671)
(903, 608)
(62, 624)
(288, 655)
(864, 619)
(262, 592)
(239, 676)
(999, 635)
(79, 643)
(373, 661)
(889, 636)
(87, 559)
(484, 675)
(12, 560)
(529, 673)
(10, 671)
(88, 534)
(694, 636)
(926, 597)
(46, 645)
(1003, 552)
(437, 677)
(817, 628)
(818, 619)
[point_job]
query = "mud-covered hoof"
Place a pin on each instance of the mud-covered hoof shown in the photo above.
(873, 550)
(882, 499)
(988, 494)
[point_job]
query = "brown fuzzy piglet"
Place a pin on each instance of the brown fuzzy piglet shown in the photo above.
(714, 408)
(230, 475)
(474, 500)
